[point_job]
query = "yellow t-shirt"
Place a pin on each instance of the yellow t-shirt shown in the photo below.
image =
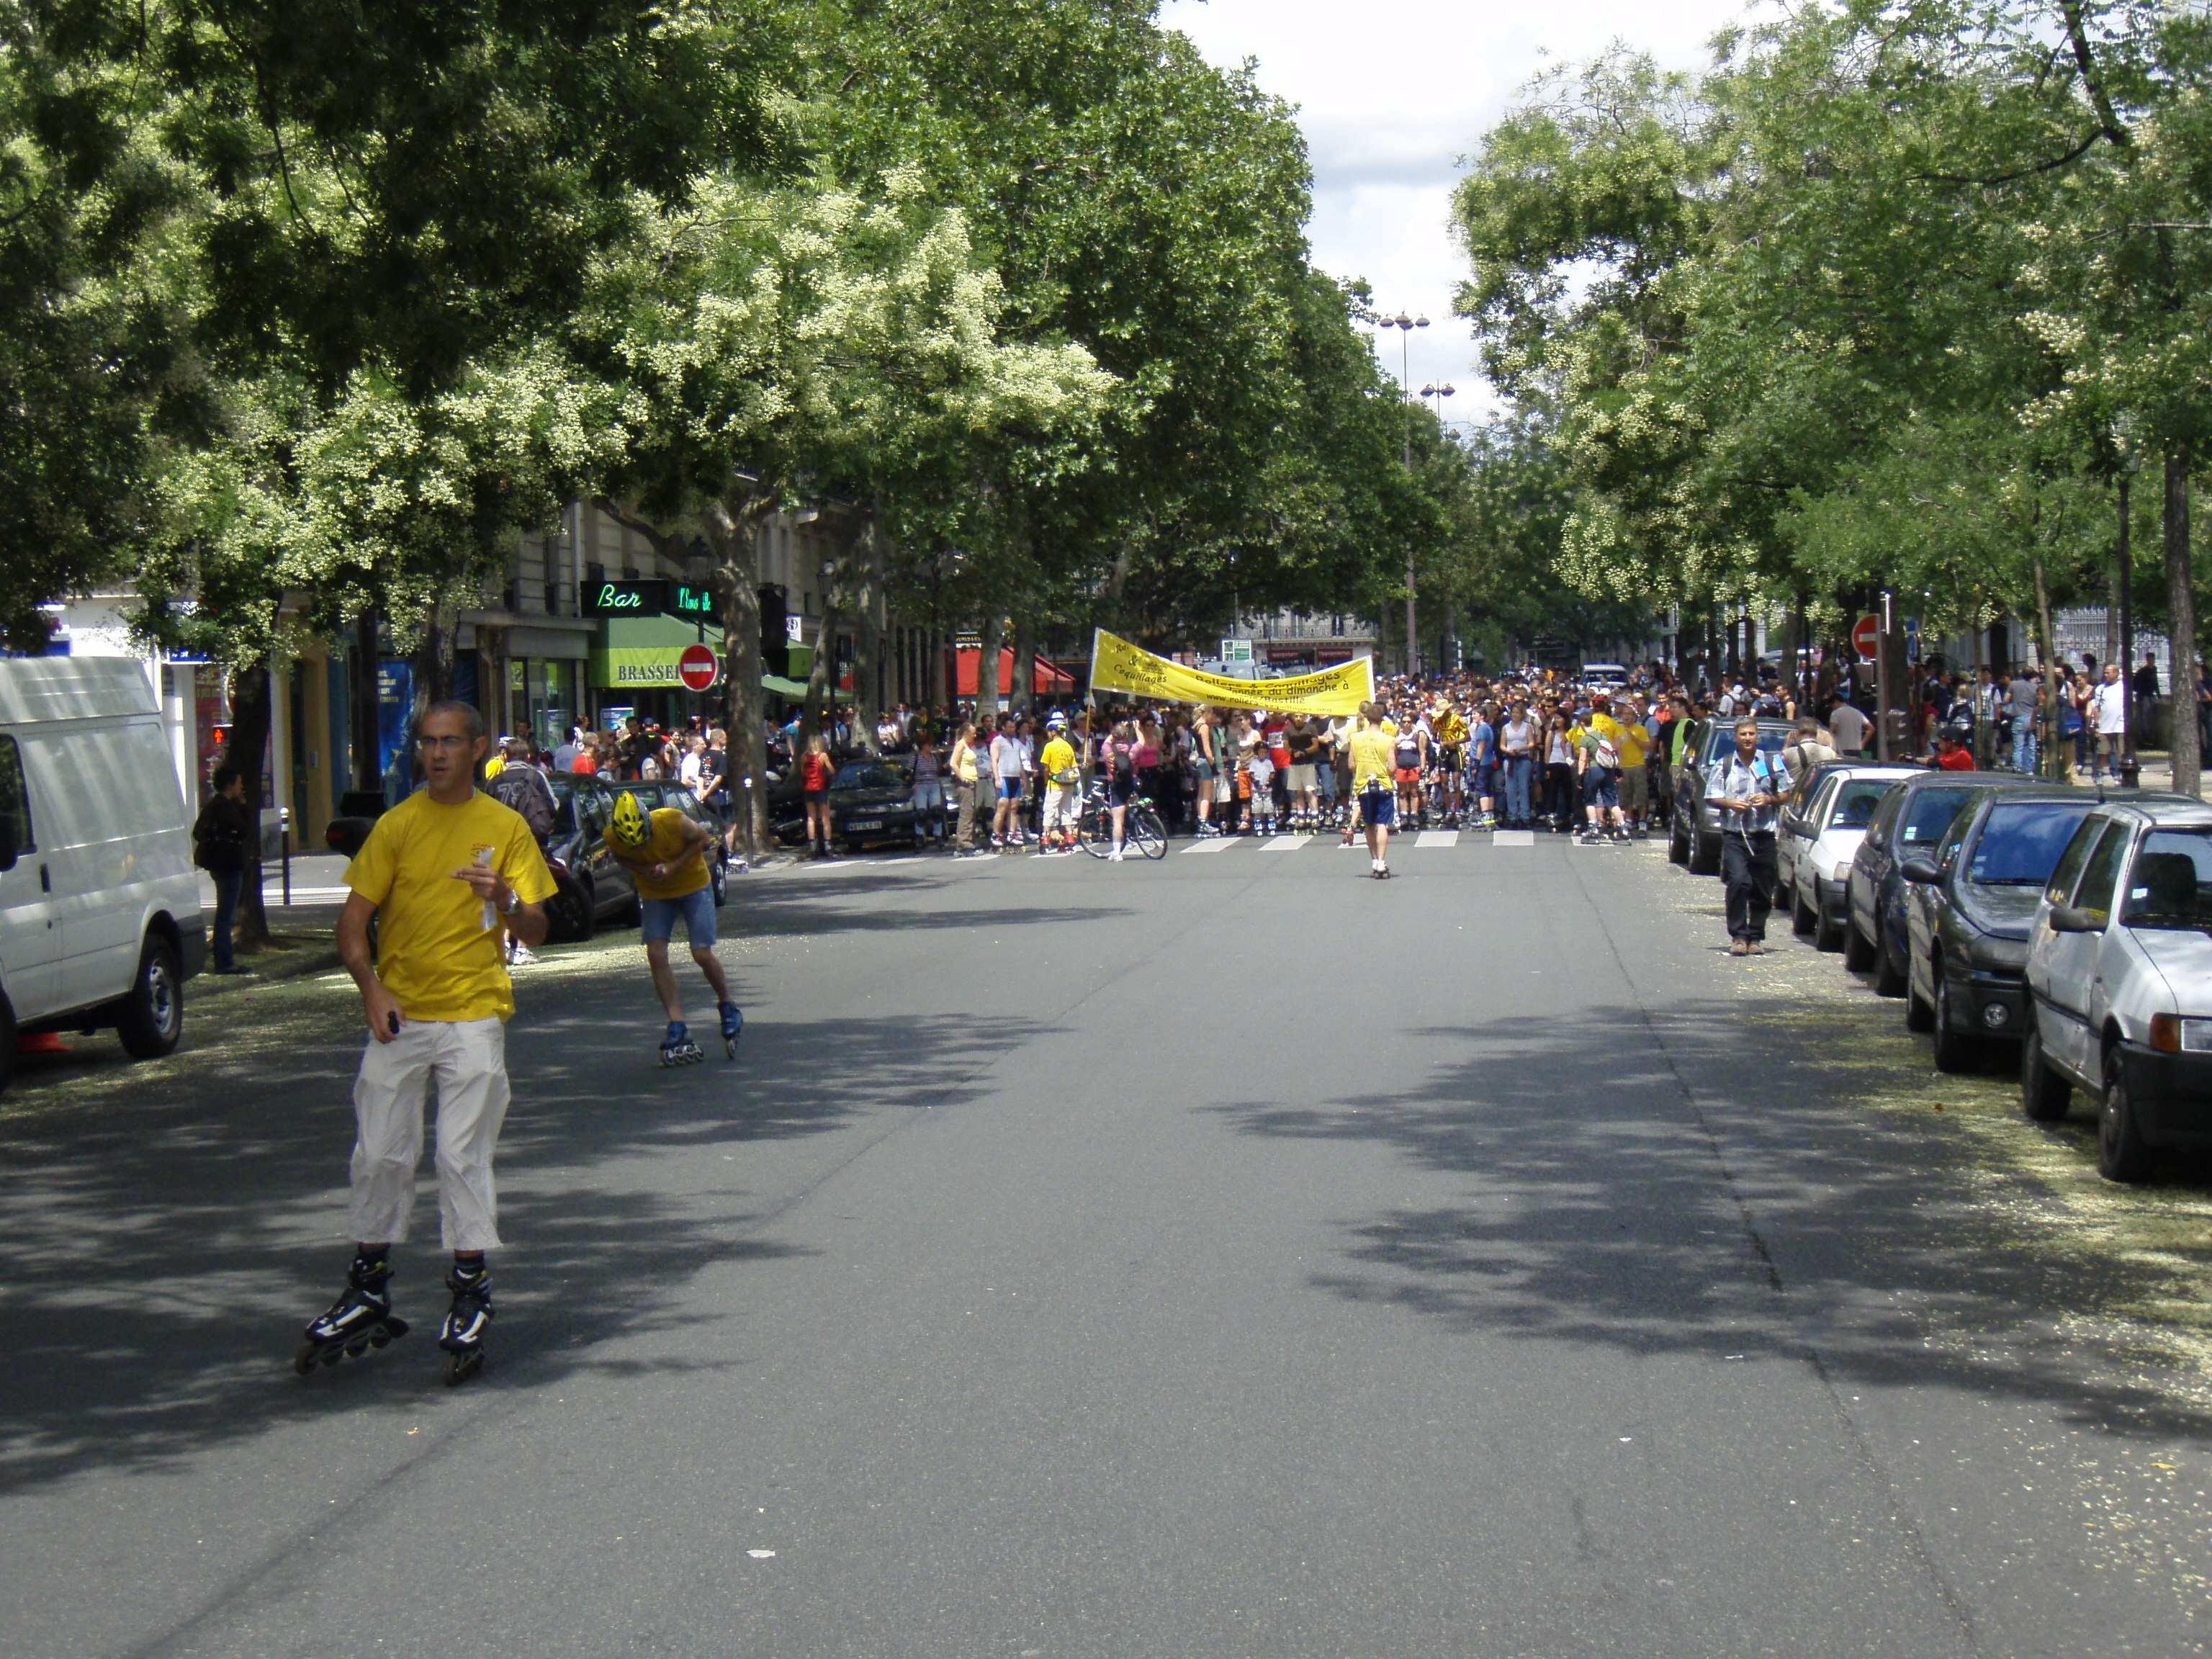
(494, 767)
(1451, 730)
(433, 950)
(665, 840)
(1058, 754)
(1372, 749)
(1627, 737)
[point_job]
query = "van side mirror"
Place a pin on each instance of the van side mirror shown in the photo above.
(2065, 919)
(9, 851)
(1920, 868)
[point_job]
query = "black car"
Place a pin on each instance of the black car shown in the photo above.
(873, 800)
(1695, 839)
(1912, 818)
(589, 885)
(1971, 901)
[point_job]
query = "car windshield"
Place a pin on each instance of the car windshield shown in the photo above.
(2170, 885)
(564, 801)
(2021, 841)
(870, 775)
(1722, 742)
(1930, 812)
(1855, 800)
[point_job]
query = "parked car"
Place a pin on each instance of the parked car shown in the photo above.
(100, 908)
(873, 801)
(1606, 676)
(358, 811)
(653, 794)
(589, 885)
(1913, 816)
(1793, 827)
(1968, 907)
(2119, 969)
(1845, 798)
(1695, 838)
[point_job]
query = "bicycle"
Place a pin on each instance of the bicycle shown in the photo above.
(1142, 829)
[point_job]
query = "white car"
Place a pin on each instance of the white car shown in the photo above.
(1828, 833)
(1604, 677)
(2119, 971)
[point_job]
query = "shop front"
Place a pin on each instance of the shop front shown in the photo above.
(637, 669)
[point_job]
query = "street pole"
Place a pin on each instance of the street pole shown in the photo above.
(1882, 685)
(1406, 325)
(2125, 764)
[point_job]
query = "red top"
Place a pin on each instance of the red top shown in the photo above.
(815, 770)
(1957, 761)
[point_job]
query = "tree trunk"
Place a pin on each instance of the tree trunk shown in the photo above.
(2181, 626)
(249, 712)
(367, 680)
(433, 660)
(732, 527)
(1025, 651)
(2127, 580)
(993, 635)
(867, 631)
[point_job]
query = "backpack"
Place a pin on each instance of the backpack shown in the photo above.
(1768, 703)
(1124, 763)
(1604, 751)
(522, 791)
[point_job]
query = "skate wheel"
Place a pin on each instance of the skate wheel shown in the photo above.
(304, 1361)
(354, 1350)
(333, 1357)
(460, 1367)
(380, 1339)
(394, 1328)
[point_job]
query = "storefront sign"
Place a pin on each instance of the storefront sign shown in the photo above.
(640, 599)
(685, 600)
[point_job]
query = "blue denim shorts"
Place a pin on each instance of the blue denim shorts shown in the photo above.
(657, 917)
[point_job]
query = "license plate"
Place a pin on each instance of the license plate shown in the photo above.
(864, 824)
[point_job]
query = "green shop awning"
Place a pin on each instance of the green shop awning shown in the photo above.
(782, 687)
(635, 653)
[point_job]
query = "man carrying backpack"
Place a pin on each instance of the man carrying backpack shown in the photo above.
(521, 789)
(1748, 788)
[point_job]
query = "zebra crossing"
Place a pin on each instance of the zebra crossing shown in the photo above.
(1422, 841)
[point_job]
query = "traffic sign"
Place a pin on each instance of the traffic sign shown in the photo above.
(697, 667)
(1236, 651)
(1866, 637)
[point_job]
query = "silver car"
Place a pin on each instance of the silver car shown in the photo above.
(1828, 833)
(2119, 968)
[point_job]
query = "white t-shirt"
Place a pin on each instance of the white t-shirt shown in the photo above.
(1849, 727)
(688, 768)
(1005, 756)
(2109, 707)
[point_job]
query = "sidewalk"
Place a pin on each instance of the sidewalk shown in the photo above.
(302, 939)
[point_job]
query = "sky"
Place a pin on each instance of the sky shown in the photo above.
(1391, 93)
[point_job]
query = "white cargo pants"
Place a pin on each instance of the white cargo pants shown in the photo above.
(466, 1062)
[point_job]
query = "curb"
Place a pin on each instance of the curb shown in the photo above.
(296, 966)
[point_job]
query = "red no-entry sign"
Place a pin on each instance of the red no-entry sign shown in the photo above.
(697, 667)
(1866, 637)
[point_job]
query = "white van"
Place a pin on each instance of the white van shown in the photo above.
(100, 908)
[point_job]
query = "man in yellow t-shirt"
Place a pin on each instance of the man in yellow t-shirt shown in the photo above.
(1061, 808)
(1372, 763)
(666, 852)
(439, 874)
(1601, 750)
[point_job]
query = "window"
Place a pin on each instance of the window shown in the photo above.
(2170, 885)
(2062, 879)
(2093, 893)
(2019, 842)
(1931, 813)
(1856, 801)
(1885, 817)
(15, 798)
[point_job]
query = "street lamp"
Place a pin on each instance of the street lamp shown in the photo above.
(1406, 325)
(1451, 629)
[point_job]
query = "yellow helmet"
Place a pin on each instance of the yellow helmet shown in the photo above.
(628, 826)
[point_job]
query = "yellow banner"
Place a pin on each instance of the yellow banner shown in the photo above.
(1118, 665)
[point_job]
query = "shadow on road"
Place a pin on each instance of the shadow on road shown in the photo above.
(156, 1276)
(1773, 1218)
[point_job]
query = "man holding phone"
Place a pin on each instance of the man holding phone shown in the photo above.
(446, 874)
(1748, 788)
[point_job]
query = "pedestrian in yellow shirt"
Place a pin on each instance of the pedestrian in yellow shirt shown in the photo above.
(437, 874)
(1372, 763)
(665, 853)
(1063, 787)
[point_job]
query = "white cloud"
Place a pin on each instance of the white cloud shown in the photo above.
(1391, 95)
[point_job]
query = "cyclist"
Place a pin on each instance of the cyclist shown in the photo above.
(1119, 757)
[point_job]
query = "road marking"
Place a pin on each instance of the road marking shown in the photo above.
(1284, 844)
(1211, 844)
(1436, 838)
(1513, 838)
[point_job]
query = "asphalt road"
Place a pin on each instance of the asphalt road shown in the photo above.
(1225, 1256)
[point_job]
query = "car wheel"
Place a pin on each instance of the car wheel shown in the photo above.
(1955, 1051)
(2044, 1093)
(1918, 1015)
(569, 915)
(2122, 1152)
(1858, 951)
(151, 1017)
(1802, 919)
(1889, 979)
(1704, 853)
(1678, 844)
(7, 1041)
(1827, 935)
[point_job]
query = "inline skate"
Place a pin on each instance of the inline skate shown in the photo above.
(676, 1048)
(361, 1319)
(465, 1321)
(733, 1027)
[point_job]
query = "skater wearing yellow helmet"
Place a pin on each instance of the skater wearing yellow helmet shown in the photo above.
(665, 850)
